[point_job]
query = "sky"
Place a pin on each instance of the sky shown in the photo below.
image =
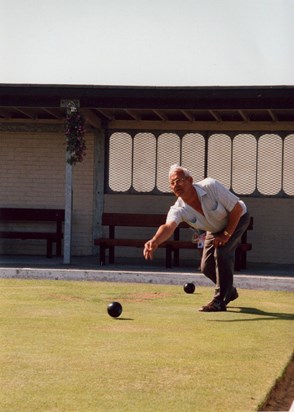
(147, 42)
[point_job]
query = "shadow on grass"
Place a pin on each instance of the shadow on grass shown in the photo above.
(123, 319)
(257, 314)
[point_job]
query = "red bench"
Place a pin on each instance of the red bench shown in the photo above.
(15, 216)
(172, 246)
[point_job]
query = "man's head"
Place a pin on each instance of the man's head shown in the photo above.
(180, 180)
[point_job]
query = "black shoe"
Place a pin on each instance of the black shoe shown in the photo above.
(234, 296)
(215, 305)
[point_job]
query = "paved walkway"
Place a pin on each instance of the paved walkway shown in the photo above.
(261, 276)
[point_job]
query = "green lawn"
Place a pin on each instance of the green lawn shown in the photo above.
(61, 351)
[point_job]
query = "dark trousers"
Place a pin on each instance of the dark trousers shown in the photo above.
(218, 263)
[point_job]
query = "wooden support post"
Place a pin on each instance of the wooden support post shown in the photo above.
(70, 106)
(67, 239)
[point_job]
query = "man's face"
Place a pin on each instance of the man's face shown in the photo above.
(179, 183)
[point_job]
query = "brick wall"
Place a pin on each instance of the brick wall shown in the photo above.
(32, 174)
(272, 237)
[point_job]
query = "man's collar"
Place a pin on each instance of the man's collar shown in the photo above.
(201, 192)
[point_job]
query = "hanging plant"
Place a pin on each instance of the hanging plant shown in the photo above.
(74, 131)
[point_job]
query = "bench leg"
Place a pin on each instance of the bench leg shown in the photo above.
(243, 260)
(111, 254)
(102, 255)
(238, 259)
(49, 248)
(177, 257)
(168, 257)
(58, 248)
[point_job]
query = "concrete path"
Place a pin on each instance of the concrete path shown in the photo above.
(265, 277)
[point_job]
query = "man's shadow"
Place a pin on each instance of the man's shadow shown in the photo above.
(256, 314)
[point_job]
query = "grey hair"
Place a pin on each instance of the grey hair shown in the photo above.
(176, 167)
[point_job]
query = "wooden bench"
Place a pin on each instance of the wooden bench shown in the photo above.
(15, 216)
(172, 246)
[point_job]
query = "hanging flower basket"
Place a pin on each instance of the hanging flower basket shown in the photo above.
(74, 131)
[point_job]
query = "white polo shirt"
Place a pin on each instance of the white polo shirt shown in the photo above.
(216, 201)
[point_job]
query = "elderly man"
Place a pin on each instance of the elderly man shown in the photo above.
(209, 206)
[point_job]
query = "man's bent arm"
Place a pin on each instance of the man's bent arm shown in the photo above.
(234, 217)
(233, 220)
(163, 233)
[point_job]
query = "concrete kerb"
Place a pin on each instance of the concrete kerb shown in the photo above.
(152, 277)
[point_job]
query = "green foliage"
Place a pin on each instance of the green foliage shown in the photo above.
(74, 131)
(61, 351)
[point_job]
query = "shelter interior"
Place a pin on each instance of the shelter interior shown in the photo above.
(242, 136)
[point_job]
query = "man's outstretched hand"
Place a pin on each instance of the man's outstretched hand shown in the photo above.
(149, 249)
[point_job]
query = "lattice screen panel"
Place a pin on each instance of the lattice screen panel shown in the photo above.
(219, 158)
(193, 154)
(168, 154)
(244, 164)
(144, 170)
(257, 164)
(120, 162)
(288, 177)
(269, 164)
